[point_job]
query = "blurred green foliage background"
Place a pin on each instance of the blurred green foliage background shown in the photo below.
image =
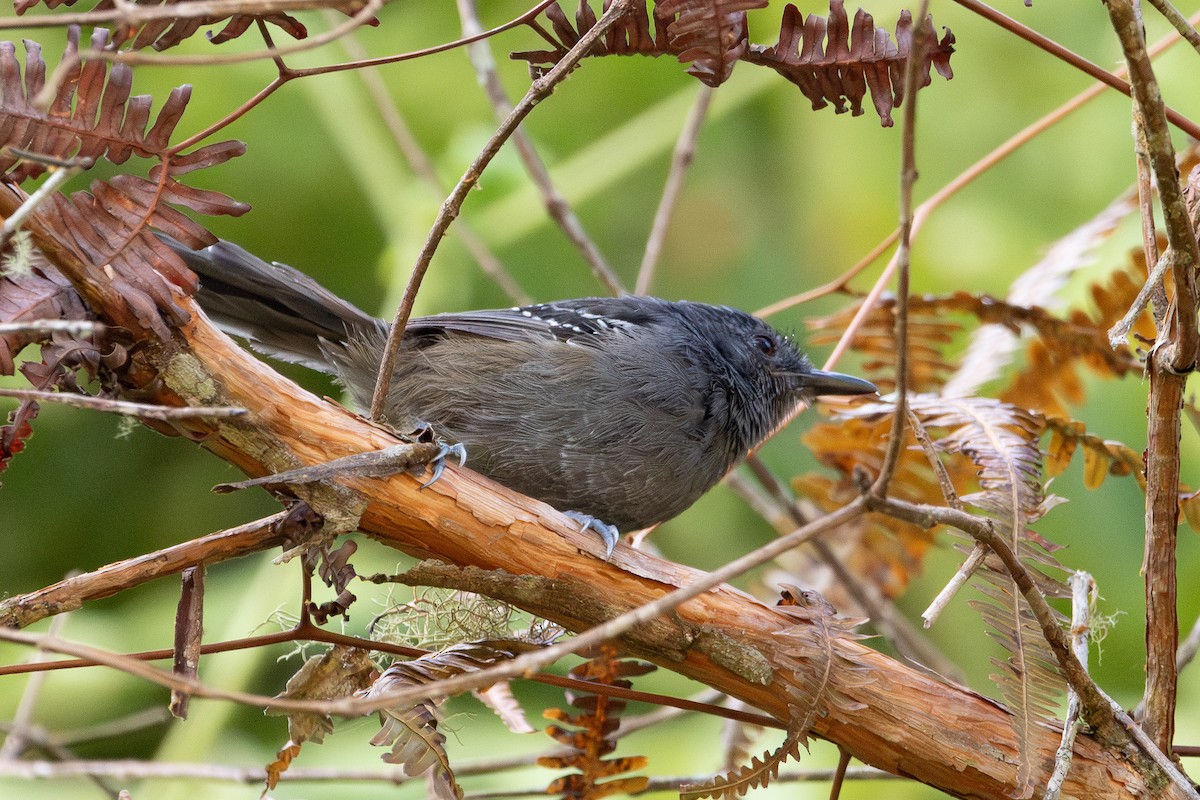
(780, 199)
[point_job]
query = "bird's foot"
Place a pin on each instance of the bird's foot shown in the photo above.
(608, 533)
(437, 464)
(423, 433)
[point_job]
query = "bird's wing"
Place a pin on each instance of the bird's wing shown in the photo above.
(564, 321)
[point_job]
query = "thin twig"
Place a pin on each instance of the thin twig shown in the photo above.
(124, 407)
(71, 327)
(976, 556)
(1150, 291)
(681, 160)
(935, 462)
(538, 91)
(70, 593)
(908, 179)
(560, 209)
(1083, 605)
(16, 739)
(1145, 193)
(963, 574)
(1178, 21)
(1173, 356)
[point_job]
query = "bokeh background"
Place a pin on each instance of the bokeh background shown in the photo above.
(780, 199)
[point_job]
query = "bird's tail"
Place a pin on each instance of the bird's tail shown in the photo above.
(280, 310)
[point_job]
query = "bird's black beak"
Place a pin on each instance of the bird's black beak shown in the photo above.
(818, 382)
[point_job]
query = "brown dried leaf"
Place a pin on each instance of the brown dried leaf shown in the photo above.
(19, 428)
(628, 36)
(334, 568)
(93, 116)
(338, 672)
(31, 294)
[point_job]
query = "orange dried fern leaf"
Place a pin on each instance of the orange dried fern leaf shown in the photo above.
(1101, 457)
(590, 735)
(885, 551)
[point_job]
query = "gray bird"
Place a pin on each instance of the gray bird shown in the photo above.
(619, 410)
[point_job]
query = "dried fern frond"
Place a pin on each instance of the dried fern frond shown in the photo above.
(92, 115)
(1001, 442)
(1029, 679)
(1059, 345)
(708, 34)
(884, 551)
(830, 61)
(1101, 457)
(35, 293)
(410, 730)
(757, 774)
(590, 736)
(1050, 378)
(810, 657)
(630, 35)
(932, 329)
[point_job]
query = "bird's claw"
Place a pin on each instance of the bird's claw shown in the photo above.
(438, 463)
(608, 533)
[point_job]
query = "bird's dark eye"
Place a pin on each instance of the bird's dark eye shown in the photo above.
(764, 343)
